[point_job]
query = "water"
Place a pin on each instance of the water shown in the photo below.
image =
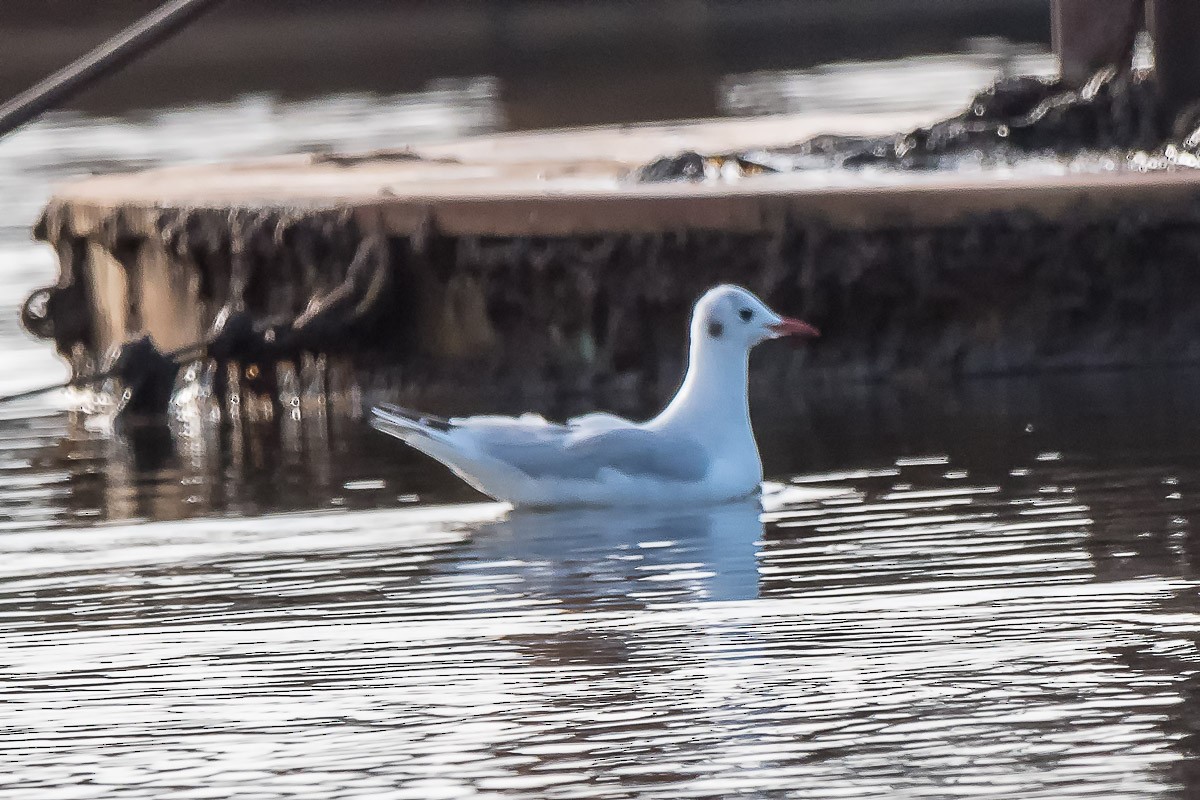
(944, 83)
(968, 590)
(959, 592)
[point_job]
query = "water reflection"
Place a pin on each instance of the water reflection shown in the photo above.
(587, 559)
(896, 632)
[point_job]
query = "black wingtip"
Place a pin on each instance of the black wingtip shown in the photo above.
(425, 420)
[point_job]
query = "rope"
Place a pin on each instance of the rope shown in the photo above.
(179, 356)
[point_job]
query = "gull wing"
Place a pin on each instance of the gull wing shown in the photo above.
(567, 454)
(541, 449)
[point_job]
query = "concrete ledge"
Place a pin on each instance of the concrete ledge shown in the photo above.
(576, 182)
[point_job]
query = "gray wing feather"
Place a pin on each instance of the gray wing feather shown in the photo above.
(582, 455)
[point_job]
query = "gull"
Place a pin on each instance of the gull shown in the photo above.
(700, 450)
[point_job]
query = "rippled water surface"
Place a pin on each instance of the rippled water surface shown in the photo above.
(933, 604)
(952, 591)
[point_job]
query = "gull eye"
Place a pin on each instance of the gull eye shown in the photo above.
(746, 314)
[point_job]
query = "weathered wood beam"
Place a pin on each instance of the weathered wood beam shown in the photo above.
(1175, 27)
(1092, 34)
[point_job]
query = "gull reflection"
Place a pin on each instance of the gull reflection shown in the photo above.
(587, 556)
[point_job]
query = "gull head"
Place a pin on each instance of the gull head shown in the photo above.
(730, 316)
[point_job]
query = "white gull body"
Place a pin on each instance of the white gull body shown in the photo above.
(699, 450)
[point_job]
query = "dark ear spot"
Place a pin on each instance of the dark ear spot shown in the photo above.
(715, 329)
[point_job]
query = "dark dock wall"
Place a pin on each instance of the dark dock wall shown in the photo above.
(424, 313)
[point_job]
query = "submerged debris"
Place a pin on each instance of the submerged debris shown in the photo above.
(1025, 115)
(693, 166)
(1013, 118)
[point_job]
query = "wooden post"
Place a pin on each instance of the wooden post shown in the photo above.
(1175, 28)
(1092, 34)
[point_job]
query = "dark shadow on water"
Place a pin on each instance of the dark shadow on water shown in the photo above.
(151, 446)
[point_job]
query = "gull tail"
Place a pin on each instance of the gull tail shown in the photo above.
(408, 425)
(434, 436)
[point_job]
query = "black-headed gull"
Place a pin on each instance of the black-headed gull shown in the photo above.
(699, 450)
